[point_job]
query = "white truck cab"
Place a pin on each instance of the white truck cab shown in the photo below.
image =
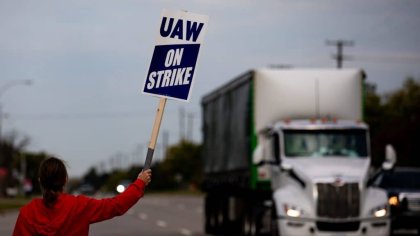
(319, 172)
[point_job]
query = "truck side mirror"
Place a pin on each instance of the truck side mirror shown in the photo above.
(387, 165)
(286, 167)
(390, 157)
(289, 169)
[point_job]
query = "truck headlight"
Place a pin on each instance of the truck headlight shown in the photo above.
(380, 211)
(292, 211)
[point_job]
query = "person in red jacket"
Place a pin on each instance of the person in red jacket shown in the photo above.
(58, 213)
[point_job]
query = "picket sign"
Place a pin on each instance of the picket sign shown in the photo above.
(171, 71)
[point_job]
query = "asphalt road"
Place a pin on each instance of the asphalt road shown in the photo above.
(153, 215)
(161, 215)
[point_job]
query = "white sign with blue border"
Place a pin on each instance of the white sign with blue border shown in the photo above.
(171, 71)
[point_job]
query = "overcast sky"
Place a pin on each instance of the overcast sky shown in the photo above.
(88, 60)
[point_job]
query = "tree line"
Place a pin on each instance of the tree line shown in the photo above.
(394, 118)
(180, 169)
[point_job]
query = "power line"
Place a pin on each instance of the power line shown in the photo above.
(80, 116)
(388, 59)
(74, 116)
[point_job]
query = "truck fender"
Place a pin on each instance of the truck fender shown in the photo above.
(292, 196)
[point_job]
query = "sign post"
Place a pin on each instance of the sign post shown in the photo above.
(171, 71)
(155, 133)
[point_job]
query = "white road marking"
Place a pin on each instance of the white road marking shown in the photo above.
(161, 223)
(158, 202)
(186, 232)
(199, 210)
(142, 216)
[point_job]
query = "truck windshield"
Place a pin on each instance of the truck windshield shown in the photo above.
(320, 143)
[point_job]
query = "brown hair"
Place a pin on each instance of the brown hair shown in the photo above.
(52, 177)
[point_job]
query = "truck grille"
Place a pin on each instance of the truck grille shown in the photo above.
(338, 201)
(413, 204)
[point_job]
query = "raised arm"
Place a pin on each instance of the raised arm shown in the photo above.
(103, 209)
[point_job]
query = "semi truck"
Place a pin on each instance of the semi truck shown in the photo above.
(286, 152)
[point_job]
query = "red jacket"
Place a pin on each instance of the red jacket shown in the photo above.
(72, 215)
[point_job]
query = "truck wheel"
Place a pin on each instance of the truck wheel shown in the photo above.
(274, 224)
(249, 226)
(253, 223)
(211, 215)
(208, 224)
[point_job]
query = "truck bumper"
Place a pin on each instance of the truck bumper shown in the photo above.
(299, 227)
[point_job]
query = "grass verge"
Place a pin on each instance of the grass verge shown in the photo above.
(8, 204)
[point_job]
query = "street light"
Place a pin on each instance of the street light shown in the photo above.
(12, 83)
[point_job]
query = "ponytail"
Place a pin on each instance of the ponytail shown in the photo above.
(50, 197)
(52, 177)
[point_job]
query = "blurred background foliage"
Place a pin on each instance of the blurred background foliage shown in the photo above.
(394, 118)
(179, 170)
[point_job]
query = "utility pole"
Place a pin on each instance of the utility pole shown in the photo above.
(181, 123)
(165, 141)
(339, 57)
(190, 126)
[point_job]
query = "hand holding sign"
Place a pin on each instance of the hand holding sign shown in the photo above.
(172, 68)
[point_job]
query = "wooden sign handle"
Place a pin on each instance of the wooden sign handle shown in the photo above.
(155, 133)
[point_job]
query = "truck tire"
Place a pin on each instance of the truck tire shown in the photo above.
(215, 216)
(249, 224)
(210, 215)
(207, 215)
(253, 223)
(274, 228)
